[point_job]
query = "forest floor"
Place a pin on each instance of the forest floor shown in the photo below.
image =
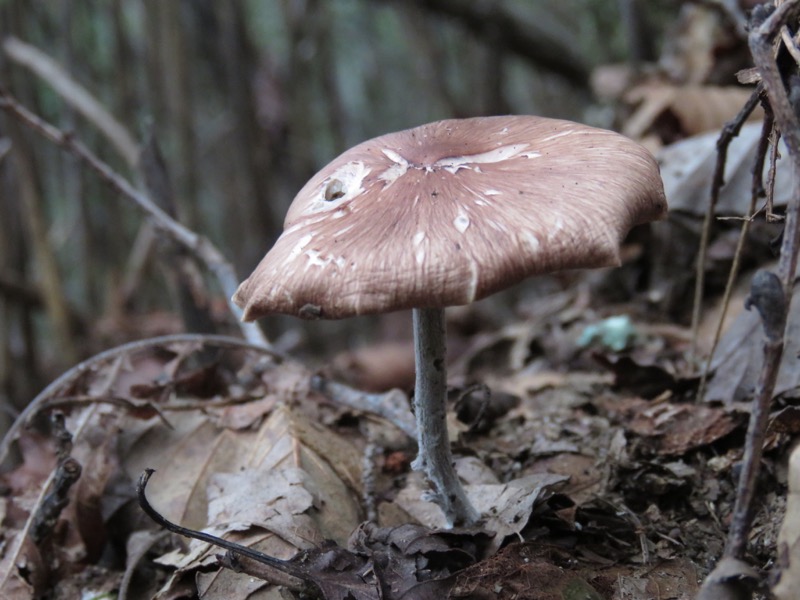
(598, 473)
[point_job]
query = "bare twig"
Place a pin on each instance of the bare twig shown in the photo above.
(757, 191)
(198, 245)
(327, 572)
(392, 405)
(75, 95)
(15, 548)
(777, 301)
(279, 568)
(772, 295)
(774, 154)
(728, 133)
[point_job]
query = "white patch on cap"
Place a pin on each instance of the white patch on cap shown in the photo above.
(481, 202)
(558, 227)
(531, 240)
(394, 156)
(461, 222)
(347, 180)
(419, 253)
(317, 259)
(492, 192)
(453, 163)
(293, 228)
(314, 260)
(397, 170)
(558, 135)
(299, 247)
(343, 231)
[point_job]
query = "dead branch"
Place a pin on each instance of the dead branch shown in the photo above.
(198, 245)
(761, 46)
(771, 295)
(756, 191)
(392, 405)
(726, 136)
(74, 94)
(285, 572)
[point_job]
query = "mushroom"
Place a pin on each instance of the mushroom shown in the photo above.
(445, 214)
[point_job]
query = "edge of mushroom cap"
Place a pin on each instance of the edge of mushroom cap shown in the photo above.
(265, 291)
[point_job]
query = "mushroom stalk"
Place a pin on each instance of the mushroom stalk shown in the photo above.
(430, 407)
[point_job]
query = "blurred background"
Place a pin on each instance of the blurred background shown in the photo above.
(222, 110)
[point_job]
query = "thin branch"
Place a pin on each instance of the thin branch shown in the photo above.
(772, 299)
(726, 136)
(298, 575)
(201, 247)
(757, 191)
(74, 94)
(392, 405)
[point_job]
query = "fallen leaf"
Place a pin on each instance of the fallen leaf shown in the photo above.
(673, 429)
(505, 507)
(737, 363)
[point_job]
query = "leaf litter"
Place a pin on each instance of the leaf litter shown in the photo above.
(592, 485)
(598, 476)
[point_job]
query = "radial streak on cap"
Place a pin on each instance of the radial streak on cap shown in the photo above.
(452, 211)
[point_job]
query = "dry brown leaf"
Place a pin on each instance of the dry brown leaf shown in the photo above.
(506, 507)
(197, 459)
(696, 108)
(737, 362)
(673, 429)
(286, 487)
(14, 561)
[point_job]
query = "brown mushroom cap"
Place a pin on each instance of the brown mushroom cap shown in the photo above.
(451, 212)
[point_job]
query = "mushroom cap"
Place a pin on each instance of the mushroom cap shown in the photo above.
(450, 212)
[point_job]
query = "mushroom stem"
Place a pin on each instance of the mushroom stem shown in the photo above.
(430, 407)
